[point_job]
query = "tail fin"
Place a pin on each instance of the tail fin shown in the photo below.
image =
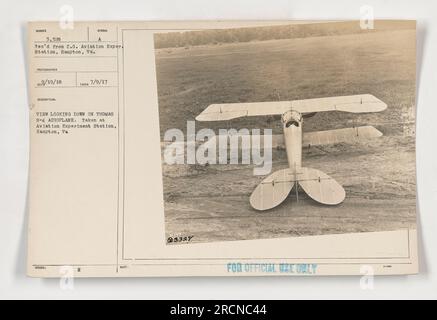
(274, 189)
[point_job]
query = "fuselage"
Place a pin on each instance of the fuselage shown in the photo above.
(292, 122)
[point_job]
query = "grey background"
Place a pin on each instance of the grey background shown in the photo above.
(14, 152)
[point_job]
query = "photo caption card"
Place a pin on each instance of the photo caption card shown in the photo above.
(222, 148)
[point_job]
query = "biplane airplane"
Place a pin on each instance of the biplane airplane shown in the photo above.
(274, 189)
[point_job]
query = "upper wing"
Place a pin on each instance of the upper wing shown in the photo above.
(227, 111)
(361, 103)
(357, 104)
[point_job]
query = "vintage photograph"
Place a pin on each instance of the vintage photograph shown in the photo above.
(287, 130)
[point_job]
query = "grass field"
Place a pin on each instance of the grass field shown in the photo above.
(212, 203)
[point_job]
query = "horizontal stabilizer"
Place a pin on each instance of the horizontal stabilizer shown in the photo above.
(273, 190)
(321, 187)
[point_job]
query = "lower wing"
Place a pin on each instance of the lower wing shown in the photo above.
(316, 138)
